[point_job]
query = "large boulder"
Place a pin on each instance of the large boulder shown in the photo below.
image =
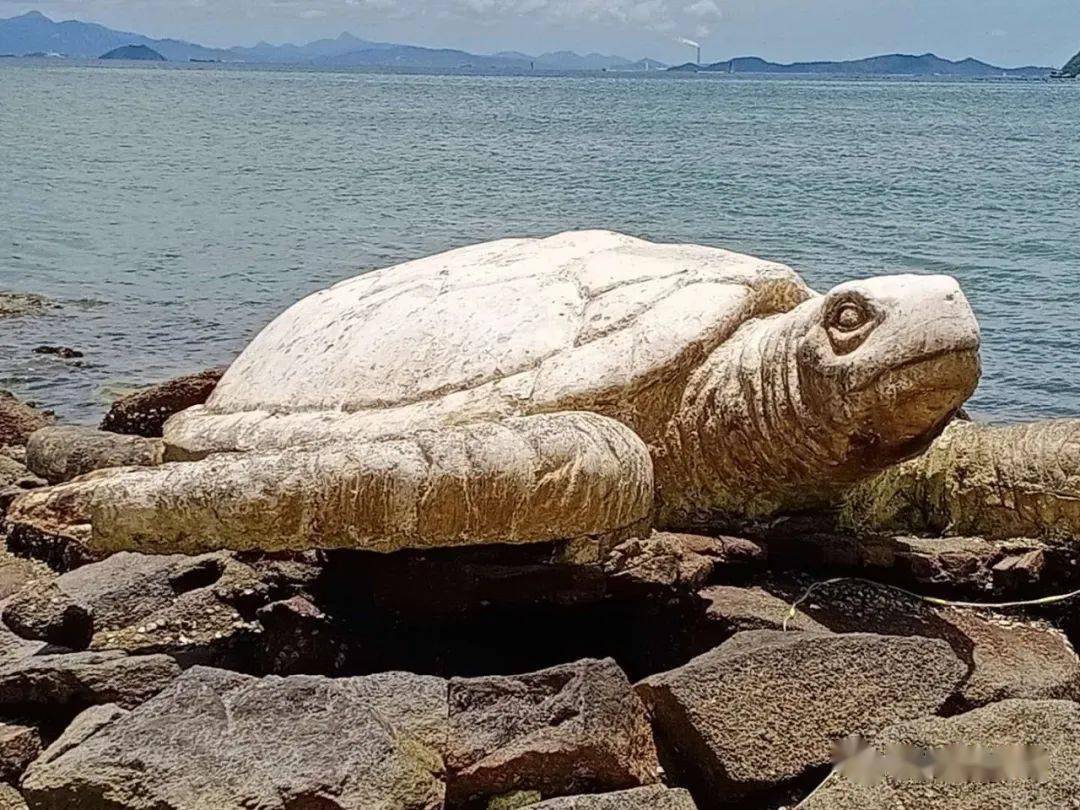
(61, 453)
(18, 420)
(144, 412)
(766, 707)
(1007, 657)
(232, 742)
(569, 729)
(1053, 784)
(654, 797)
(56, 684)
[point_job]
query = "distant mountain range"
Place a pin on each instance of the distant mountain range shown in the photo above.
(895, 64)
(34, 33)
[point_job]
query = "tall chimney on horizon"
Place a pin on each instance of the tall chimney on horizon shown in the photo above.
(699, 55)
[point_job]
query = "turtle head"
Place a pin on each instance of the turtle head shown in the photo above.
(888, 362)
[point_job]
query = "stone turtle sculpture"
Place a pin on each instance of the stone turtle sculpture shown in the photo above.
(526, 390)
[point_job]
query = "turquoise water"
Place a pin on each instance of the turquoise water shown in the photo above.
(175, 211)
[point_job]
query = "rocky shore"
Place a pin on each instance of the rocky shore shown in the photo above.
(671, 672)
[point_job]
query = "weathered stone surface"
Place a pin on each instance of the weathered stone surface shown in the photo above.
(198, 628)
(144, 413)
(736, 609)
(974, 566)
(45, 612)
(994, 481)
(10, 798)
(527, 480)
(196, 609)
(62, 548)
(1006, 657)
(13, 648)
(645, 798)
(16, 573)
(765, 707)
(62, 453)
(19, 746)
(14, 479)
(228, 741)
(54, 684)
(18, 420)
(568, 729)
(671, 560)
(1052, 725)
(85, 725)
(514, 800)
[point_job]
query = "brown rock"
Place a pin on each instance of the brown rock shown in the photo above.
(145, 412)
(16, 573)
(1052, 725)
(228, 741)
(654, 797)
(43, 611)
(1006, 657)
(573, 728)
(54, 684)
(18, 420)
(61, 453)
(734, 609)
(14, 479)
(19, 746)
(670, 560)
(766, 707)
(85, 725)
(974, 566)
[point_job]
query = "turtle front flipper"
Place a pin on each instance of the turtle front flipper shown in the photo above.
(993, 481)
(525, 479)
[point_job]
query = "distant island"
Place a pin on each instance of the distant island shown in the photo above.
(34, 33)
(1071, 69)
(896, 64)
(135, 52)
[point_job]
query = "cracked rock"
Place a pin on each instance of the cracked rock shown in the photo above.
(766, 707)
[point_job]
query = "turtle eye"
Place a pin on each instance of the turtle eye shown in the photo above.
(849, 316)
(849, 321)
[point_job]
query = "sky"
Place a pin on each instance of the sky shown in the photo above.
(1005, 32)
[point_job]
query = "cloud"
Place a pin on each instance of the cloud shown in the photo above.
(706, 9)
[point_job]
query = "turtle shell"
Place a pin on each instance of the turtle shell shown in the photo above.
(515, 325)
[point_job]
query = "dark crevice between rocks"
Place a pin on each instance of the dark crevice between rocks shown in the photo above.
(202, 575)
